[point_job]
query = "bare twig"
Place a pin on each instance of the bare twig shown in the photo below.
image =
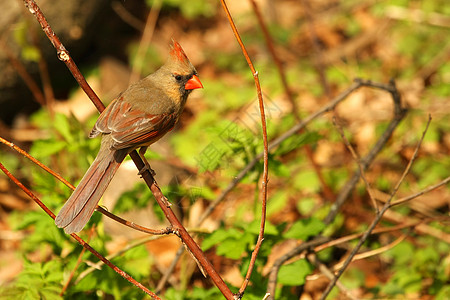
(357, 159)
(164, 204)
(63, 54)
(77, 238)
(43, 69)
(145, 41)
(290, 95)
(272, 145)
(344, 239)
(374, 252)
(265, 175)
(21, 70)
(126, 16)
(80, 257)
(399, 114)
(271, 285)
(428, 189)
(68, 184)
(377, 218)
(276, 59)
(99, 264)
(312, 257)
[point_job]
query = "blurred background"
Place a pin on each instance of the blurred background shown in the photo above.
(306, 53)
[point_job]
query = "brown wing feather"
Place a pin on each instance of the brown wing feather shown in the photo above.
(130, 127)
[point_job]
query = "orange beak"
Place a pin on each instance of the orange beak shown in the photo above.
(193, 83)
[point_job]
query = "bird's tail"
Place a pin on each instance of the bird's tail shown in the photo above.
(81, 205)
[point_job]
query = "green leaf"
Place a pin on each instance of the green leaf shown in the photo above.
(294, 274)
(296, 141)
(44, 148)
(218, 236)
(254, 228)
(277, 202)
(232, 248)
(61, 124)
(303, 229)
(307, 181)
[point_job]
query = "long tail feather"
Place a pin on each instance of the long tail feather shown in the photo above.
(79, 208)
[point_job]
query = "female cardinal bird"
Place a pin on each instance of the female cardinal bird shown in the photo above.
(137, 118)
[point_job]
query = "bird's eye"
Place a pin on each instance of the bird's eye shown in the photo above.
(178, 77)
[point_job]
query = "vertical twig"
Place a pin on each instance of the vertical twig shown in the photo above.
(265, 175)
(290, 95)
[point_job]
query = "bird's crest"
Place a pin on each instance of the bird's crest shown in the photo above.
(177, 53)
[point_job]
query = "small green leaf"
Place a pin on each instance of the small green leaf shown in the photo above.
(44, 148)
(254, 228)
(302, 229)
(218, 236)
(294, 274)
(297, 141)
(62, 125)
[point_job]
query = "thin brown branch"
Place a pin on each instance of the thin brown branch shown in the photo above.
(418, 194)
(377, 218)
(133, 225)
(312, 257)
(272, 283)
(63, 54)
(145, 41)
(275, 57)
(169, 271)
(23, 73)
(179, 229)
(290, 95)
(357, 159)
(77, 238)
(68, 184)
(399, 114)
(344, 239)
(126, 16)
(318, 61)
(265, 175)
(272, 145)
(374, 252)
(162, 201)
(98, 265)
(42, 65)
(80, 257)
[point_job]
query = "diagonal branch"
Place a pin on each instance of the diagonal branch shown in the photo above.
(178, 228)
(77, 238)
(378, 217)
(399, 114)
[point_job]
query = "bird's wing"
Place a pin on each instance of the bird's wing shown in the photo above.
(132, 127)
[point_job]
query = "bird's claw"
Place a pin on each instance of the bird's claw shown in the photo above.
(146, 168)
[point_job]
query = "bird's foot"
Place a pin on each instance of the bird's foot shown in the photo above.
(147, 168)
